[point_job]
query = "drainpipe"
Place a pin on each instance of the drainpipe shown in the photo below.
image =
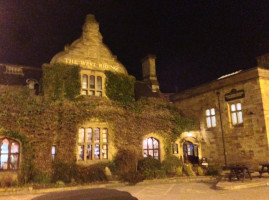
(222, 132)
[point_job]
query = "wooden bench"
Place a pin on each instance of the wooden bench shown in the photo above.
(240, 172)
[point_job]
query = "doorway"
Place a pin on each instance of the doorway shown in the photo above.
(190, 153)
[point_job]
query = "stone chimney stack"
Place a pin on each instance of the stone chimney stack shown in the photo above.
(149, 72)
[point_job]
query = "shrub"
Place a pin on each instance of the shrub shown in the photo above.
(149, 167)
(188, 169)
(92, 173)
(213, 170)
(8, 180)
(126, 161)
(160, 173)
(200, 171)
(63, 171)
(132, 177)
(179, 171)
(171, 163)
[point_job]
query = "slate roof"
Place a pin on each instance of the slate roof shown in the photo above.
(19, 75)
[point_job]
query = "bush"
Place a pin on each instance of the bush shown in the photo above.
(126, 161)
(132, 177)
(92, 173)
(160, 173)
(64, 171)
(8, 180)
(200, 171)
(188, 169)
(179, 171)
(213, 170)
(171, 163)
(149, 167)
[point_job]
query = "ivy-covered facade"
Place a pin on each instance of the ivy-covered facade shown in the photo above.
(87, 108)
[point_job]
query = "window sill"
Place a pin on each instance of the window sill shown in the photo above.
(238, 125)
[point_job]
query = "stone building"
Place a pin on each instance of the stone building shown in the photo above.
(233, 116)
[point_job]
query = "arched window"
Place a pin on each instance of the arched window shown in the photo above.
(9, 155)
(151, 148)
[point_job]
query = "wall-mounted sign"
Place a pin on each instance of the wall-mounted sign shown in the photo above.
(234, 94)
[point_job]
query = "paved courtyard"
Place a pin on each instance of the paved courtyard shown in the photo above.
(173, 191)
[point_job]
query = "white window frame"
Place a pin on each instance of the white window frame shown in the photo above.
(211, 121)
(236, 113)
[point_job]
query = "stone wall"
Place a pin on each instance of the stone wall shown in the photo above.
(244, 143)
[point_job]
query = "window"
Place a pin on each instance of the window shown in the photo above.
(95, 86)
(9, 155)
(53, 152)
(151, 148)
(93, 143)
(236, 113)
(175, 148)
(210, 117)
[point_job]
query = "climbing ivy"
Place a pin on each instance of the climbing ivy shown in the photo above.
(61, 81)
(119, 87)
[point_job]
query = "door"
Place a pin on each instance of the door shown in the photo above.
(190, 153)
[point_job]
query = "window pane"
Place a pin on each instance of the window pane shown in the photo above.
(208, 122)
(213, 121)
(84, 92)
(53, 149)
(89, 135)
(91, 93)
(207, 112)
(4, 159)
(150, 145)
(233, 107)
(97, 135)
(89, 152)
(155, 143)
(98, 93)
(190, 150)
(81, 137)
(145, 153)
(99, 83)
(92, 82)
(212, 111)
(84, 81)
(97, 151)
(151, 153)
(14, 147)
(104, 151)
(240, 117)
(14, 159)
(104, 135)
(234, 119)
(156, 154)
(238, 105)
(81, 152)
(4, 146)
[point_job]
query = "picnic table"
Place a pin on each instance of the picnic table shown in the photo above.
(240, 172)
(264, 169)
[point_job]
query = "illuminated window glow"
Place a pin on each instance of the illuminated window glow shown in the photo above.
(236, 113)
(210, 118)
(92, 143)
(9, 154)
(151, 148)
(91, 85)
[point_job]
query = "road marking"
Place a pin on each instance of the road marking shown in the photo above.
(169, 189)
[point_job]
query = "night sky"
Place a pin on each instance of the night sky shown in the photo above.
(194, 41)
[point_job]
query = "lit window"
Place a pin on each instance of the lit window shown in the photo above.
(93, 143)
(210, 118)
(92, 85)
(9, 155)
(236, 113)
(53, 152)
(151, 148)
(175, 148)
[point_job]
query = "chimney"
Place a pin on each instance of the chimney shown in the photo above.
(149, 72)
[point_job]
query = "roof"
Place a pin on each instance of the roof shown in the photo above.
(17, 74)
